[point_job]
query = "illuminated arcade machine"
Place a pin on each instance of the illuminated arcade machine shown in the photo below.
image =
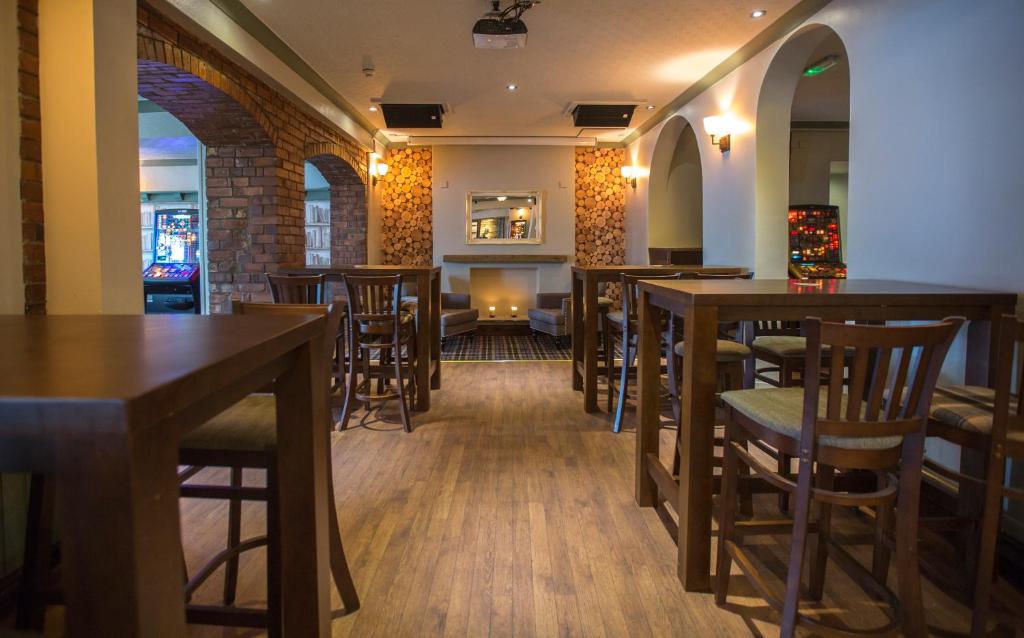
(171, 282)
(815, 251)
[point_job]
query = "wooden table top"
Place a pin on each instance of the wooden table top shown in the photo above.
(341, 270)
(162, 361)
(839, 292)
(627, 268)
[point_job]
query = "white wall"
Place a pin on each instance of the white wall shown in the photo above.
(935, 146)
(810, 163)
(12, 284)
(460, 169)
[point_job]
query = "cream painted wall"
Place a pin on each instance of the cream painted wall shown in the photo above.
(810, 158)
(459, 169)
(922, 82)
(681, 227)
(12, 283)
(90, 157)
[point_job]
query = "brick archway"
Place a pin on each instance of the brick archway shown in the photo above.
(254, 194)
(348, 201)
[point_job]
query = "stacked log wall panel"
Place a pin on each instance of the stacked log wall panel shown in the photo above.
(407, 212)
(601, 209)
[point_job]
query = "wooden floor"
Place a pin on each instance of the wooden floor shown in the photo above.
(510, 512)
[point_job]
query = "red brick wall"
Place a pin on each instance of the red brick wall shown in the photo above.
(257, 140)
(34, 257)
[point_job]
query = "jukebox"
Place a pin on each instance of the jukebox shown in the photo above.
(815, 250)
(171, 283)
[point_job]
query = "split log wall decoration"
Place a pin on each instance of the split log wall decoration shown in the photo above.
(600, 209)
(406, 206)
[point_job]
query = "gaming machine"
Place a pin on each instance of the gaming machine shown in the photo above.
(815, 250)
(171, 282)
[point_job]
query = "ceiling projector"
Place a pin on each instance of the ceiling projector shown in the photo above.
(502, 29)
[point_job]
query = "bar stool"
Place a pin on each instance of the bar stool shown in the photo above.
(879, 424)
(378, 323)
(624, 322)
(245, 437)
(1007, 438)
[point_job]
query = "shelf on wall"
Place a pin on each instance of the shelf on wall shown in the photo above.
(505, 259)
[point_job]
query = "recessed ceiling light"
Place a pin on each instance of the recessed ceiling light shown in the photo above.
(512, 87)
(650, 107)
(758, 13)
(373, 109)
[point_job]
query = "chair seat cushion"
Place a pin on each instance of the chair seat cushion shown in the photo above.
(967, 407)
(250, 426)
(553, 316)
(728, 351)
(616, 317)
(604, 301)
(781, 410)
(783, 346)
(454, 316)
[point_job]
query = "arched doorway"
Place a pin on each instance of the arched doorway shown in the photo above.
(675, 189)
(245, 188)
(348, 216)
(802, 140)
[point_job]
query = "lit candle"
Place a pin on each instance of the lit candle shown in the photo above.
(491, 310)
(514, 309)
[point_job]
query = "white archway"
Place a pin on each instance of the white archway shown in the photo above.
(774, 114)
(675, 194)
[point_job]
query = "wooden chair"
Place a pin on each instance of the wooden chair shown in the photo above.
(245, 437)
(378, 323)
(782, 346)
(879, 424)
(1007, 439)
(297, 289)
(624, 322)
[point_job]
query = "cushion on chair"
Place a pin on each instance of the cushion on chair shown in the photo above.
(553, 316)
(781, 345)
(604, 301)
(455, 316)
(728, 351)
(781, 410)
(968, 407)
(616, 317)
(250, 425)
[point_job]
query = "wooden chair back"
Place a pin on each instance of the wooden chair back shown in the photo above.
(333, 312)
(630, 292)
(777, 329)
(297, 289)
(1009, 381)
(891, 377)
(374, 303)
(723, 275)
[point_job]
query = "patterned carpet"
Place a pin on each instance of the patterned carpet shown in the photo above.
(504, 348)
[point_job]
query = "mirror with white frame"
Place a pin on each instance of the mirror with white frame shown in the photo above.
(505, 217)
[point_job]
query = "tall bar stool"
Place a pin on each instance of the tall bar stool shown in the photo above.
(245, 437)
(624, 323)
(377, 323)
(878, 424)
(1007, 444)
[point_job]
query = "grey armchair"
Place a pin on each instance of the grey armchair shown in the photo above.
(456, 315)
(550, 315)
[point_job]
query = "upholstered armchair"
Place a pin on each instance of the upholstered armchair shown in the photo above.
(551, 314)
(456, 315)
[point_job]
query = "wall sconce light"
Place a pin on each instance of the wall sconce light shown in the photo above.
(630, 173)
(379, 169)
(490, 311)
(720, 128)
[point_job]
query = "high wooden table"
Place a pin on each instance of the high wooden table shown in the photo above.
(102, 400)
(584, 325)
(428, 314)
(702, 304)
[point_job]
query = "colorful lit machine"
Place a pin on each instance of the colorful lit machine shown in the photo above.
(815, 248)
(171, 282)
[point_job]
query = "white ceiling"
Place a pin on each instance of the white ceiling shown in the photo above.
(824, 97)
(578, 50)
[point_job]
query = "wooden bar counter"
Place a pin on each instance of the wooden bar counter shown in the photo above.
(428, 314)
(702, 304)
(102, 401)
(585, 280)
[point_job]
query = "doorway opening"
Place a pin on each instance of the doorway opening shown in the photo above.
(675, 221)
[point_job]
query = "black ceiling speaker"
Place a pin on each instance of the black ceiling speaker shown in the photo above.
(602, 115)
(413, 115)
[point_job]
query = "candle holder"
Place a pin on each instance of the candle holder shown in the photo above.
(491, 311)
(514, 310)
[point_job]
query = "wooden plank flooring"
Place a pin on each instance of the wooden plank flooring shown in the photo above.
(510, 512)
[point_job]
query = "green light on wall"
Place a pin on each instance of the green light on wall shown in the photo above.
(821, 66)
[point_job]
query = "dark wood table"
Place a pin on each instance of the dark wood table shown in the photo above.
(102, 400)
(584, 325)
(702, 304)
(428, 314)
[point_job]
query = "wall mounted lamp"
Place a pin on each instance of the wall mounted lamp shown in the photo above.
(720, 128)
(379, 169)
(631, 173)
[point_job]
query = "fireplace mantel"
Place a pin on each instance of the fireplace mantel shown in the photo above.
(491, 258)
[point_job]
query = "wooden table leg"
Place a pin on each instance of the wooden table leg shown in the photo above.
(424, 331)
(121, 546)
(746, 337)
(577, 331)
(982, 339)
(590, 343)
(302, 500)
(649, 389)
(697, 435)
(435, 330)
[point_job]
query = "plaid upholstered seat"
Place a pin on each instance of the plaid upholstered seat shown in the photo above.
(728, 351)
(968, 407)
(781, 410)
(249, 425)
